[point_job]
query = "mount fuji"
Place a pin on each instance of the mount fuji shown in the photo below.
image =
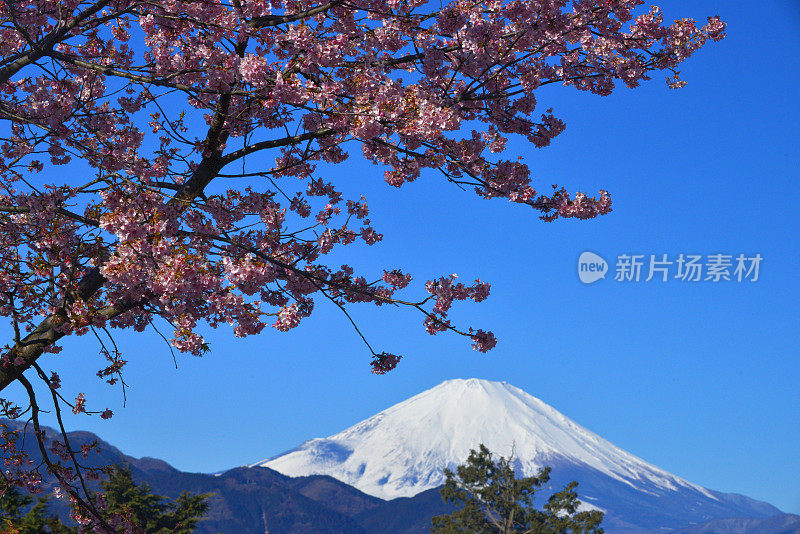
(402, 451)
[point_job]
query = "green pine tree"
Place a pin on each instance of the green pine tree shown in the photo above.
(149, 511)
(37, 520)
(496, 502)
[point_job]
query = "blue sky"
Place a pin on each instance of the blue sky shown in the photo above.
(700, 379)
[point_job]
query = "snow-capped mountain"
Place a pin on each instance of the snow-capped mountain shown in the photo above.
(402, 451)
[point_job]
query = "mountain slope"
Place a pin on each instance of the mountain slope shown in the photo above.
(780, 524)
(242, 501)
(401, 452)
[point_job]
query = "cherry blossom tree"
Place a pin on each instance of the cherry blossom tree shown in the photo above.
(168, 163)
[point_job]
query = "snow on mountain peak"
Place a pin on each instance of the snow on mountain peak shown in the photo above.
(403, 450)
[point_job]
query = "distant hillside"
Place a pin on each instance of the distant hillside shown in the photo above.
(244, 500)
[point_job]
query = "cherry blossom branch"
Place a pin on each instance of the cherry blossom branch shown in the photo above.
(40, 48)
(275, 143)
(54, 469)
(266, 21)
(48, 332)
